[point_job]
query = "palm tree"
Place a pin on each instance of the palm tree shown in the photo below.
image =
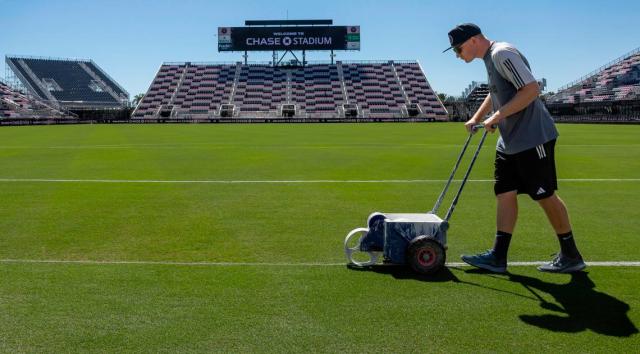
(136, 99)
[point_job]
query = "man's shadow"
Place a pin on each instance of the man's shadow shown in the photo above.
(581, 307)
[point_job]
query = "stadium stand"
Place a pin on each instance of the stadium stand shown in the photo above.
(16, 105)
(616, 81)
(69, 83)
(608, 94)
(475, 96)
(340, 90)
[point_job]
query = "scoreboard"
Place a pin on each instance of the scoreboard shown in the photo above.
(288, 38)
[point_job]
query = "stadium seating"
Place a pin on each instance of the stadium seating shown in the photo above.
(378, 89)
(67, 82)
(476, 96)
(619, 80)
(14, 104)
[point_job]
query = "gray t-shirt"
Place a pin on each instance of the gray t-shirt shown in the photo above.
(509, 71)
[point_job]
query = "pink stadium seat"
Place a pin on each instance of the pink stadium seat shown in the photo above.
(615, 82)
(14, 104)
(379, 88)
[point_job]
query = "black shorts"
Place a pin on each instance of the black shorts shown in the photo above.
(531, 171)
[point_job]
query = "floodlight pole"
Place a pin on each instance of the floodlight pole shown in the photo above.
(246, 56)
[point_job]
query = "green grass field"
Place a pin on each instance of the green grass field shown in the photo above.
(169, 238)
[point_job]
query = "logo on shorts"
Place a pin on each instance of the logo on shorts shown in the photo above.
(540, 191)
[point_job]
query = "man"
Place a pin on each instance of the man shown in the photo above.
(524, 160)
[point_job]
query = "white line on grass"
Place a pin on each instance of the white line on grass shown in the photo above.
(230, 181)
(284, 264)
(299, 146)
(54, 180)
(235, 146)
(292, 181)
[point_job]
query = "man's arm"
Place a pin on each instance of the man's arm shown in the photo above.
(482, 112)
(525, 95)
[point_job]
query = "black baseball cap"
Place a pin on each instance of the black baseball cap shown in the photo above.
(461, 33)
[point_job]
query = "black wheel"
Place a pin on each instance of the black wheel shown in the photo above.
(426, 256)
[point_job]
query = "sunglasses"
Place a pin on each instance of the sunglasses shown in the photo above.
(458, 49)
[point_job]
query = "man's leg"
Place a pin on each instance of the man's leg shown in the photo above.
(507, 212)
(569, 260)
(556, 213)
(505, 189)
(495, 259)
(506, 216)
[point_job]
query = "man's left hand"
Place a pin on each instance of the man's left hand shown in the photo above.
(491, 123)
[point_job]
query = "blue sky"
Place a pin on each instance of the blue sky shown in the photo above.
(563, 40)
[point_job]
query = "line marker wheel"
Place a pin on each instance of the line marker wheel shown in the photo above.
(426, 256)
(352, 248)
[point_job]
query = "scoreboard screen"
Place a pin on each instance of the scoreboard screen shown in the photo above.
(232, 39)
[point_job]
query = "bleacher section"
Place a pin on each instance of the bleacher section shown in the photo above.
(616, 81)
(476, 96)
(367, 90)
(15, 105)
(68, 83)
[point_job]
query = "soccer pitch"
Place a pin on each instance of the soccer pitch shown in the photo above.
(228, 238)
